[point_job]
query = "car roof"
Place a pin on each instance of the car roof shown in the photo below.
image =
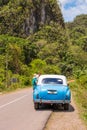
(52, 76)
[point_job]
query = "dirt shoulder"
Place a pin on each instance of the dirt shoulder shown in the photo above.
(66, 120)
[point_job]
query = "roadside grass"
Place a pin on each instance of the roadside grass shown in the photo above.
(13, 88)
(80, 95)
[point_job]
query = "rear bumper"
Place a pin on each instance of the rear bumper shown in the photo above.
(52, 101)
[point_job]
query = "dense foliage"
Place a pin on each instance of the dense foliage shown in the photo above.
(24, 17)
(78, 38)
(78, 49)
(32, 40)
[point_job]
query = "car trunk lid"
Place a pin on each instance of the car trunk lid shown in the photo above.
(53, 92)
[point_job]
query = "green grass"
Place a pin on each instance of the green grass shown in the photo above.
(80, 96)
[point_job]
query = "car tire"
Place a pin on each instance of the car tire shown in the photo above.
(36, 106)
(66, 106)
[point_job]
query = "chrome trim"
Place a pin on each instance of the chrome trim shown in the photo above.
(52, 101)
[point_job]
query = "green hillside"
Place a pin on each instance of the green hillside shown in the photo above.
(32, 39)
(78, 38)
(24, 17)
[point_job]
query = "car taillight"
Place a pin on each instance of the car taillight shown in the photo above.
(37, 96)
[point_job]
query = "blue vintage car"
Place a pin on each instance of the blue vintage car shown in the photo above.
(52, 89)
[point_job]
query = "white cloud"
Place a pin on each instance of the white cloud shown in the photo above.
(63, 2)
(72, 11)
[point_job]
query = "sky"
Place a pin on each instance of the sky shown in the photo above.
(72, 8)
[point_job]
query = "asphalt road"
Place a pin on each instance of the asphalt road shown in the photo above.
(17, 112)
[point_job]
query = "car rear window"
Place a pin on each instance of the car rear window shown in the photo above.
(52, 81)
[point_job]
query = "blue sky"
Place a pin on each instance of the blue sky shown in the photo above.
(72, 8)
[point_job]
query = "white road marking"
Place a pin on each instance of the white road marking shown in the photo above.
(17, 99)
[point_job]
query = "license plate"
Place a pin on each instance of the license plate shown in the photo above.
(52, 92)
